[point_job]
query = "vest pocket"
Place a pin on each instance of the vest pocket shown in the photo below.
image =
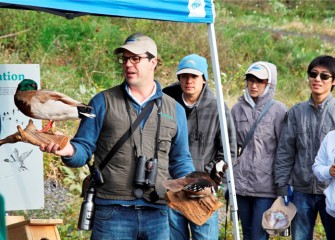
(168, 129)
(164, 145)
(166, 133)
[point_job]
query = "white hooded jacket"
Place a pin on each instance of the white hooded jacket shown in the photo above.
(323, 161)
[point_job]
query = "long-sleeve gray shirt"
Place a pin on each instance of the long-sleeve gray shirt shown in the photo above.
(304, 129)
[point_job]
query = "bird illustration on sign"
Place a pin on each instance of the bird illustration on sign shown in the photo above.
(18, 160)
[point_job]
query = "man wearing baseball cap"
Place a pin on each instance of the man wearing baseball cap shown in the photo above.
(126, 208)
(193, 93)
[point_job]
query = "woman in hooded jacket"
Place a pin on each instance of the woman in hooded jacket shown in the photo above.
(253, 169)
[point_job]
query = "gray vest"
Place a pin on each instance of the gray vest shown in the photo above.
(119, 172)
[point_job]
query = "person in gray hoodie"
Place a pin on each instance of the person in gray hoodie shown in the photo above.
(193, 93)
(254, 167)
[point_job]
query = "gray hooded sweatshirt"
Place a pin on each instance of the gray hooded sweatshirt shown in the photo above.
(254, 169)
(204, 127)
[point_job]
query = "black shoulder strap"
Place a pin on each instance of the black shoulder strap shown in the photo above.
(252, 129)
(126, 135)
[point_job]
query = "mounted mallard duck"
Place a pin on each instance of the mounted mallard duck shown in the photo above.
(47, 104)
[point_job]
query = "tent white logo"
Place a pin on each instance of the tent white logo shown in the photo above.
(196, 8)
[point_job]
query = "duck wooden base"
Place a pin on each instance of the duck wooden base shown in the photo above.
(34, 229)
(197, 210)
(31, 135)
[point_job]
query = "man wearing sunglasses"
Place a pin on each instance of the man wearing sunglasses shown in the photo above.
(306, 125)
(131, 202)
(253, 170)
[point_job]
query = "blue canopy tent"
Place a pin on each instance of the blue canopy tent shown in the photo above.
(195, 11)
(189, 11)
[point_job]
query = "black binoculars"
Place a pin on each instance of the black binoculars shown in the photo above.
(145, 172)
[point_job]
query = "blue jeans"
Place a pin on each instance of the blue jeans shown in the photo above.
(179, 227)
(308, 207)
(127, 223)
(250, 212)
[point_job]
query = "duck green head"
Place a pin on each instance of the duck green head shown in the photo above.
(27, 85)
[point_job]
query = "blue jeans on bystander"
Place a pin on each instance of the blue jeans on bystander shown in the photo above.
(130, 223)
(308, 207)
(250, 212)
(180, 227)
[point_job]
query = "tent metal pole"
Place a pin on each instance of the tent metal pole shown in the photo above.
(223, 126)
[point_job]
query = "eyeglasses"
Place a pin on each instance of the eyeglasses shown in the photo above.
(132, 59)
(257, 81)
(323, 76)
